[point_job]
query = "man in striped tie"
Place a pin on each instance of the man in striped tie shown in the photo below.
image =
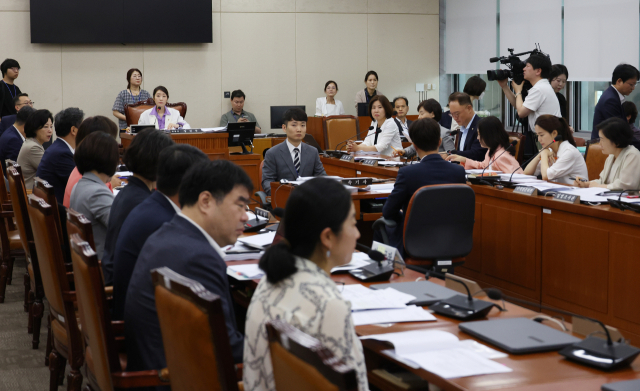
(293, 158)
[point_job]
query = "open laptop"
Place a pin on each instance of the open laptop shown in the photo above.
(519, 335)
(628, 385)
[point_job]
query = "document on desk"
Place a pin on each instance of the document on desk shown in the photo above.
(383, 187)
(480, 170)
(589, 194)
(441, 353)
(258, 241)
(239, 252)
(390, 163)
(505, 177)
(358, 260)
(363, 298)
(245, 272)
(410, 313)
(214, 130)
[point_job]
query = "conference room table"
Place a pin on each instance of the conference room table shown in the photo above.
(538, 371)
(576, 257)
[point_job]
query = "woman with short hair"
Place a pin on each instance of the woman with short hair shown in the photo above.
(37, 130)
(430, 108)
(328, 105)
(320, 233)
(383, 135)
(160, 115)
(129, 96)
(622, 168)
(96, 159)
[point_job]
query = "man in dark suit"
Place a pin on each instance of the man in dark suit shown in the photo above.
(292, 158)
(12, 139)
(57, 162)
(401, 108)
(214, 196)
(145, 219)
(623, 82)
(467, 144)
(141, 158)
(19, 102)
(432, 170)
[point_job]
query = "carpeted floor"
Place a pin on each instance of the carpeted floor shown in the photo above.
(21, 367)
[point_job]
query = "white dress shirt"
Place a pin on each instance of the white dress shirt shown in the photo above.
(388, 138)
(541, 100)
(21, 136)
(68, 145)
(464, 130)
(570, 163)
(292, 152)
(326, 109)
(621, 99)
(405, 127)
(173, 204)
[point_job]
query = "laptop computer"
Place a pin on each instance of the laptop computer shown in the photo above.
(426, 292)
(139, 128)
(363, 109)
(627, 385)
(519, 335)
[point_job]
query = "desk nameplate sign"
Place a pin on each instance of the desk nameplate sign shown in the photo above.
(568, 198)
(370, 162)
(347, 158)
(357, 181)
(526, 190)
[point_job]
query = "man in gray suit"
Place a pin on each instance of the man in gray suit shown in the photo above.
(293, 158)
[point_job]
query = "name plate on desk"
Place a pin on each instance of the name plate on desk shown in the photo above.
(370, 162)
(347, 158)
(526, 190)
(185, 131)
(568, 198)
(357, 181)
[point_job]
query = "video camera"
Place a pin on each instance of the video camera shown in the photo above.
(515, 65)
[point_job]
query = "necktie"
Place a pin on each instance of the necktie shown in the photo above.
(296, 159)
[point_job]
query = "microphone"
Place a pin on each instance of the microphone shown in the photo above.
(513, 144)
(592, 351)
(376, 271)
(338, 152)
(463, 308)
(557, 138)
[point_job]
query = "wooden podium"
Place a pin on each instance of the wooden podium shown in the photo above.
(215, 146)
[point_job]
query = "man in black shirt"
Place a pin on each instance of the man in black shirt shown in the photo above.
(8, 90)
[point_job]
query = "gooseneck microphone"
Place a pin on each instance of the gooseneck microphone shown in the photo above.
(513, 144)
(338, 152)
(375, 271)
(374, 255)
(592, 351)
(557, 138)
(463, 308)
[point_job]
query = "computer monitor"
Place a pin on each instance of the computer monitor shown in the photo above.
(241, 135)
(363, 109)
(277, 112)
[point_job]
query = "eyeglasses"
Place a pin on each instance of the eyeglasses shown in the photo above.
(454, 115)
(30, 103)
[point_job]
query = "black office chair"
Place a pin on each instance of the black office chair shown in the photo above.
(438, 228)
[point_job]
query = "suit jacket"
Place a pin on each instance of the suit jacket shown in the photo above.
(608, 106)
(128, 198)
(56, 166)
(6, 122)
(278, 164)
(7, 106)
(432, 170)
(182, 247)
(472, 148)
(10, 144)
(29, 159)
(142, 222)
(92, 198)
(362, 98)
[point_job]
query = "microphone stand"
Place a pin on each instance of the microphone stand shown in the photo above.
(513, 144)
(460, 307)
(338, 152)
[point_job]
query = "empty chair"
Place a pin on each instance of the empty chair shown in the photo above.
(300, 362)
(594, 158)
(338, 128)
(184, 304)
(105, 367)
(11, 245)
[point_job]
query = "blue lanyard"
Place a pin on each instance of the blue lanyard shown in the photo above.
(13, 94)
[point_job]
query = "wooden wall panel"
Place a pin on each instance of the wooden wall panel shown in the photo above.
(625, 273)
(575, 260)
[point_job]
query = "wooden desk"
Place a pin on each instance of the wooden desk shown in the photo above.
(280, 194)
(539, 371)
(214, 145)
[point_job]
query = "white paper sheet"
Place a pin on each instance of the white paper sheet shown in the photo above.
(383, 187)
(453, 363)
(242, 255)
(358, 260)
(408, 314)
(212, 130)
(245, 272)
(416, 341)
(479, 171)
(505, 177)
(390, 163)
(363, 298)
(260, 240)
(123, 173)
(253, 216)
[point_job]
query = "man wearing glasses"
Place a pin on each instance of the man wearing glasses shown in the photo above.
(8, 90)
(623, 82)
(462, 112)
(19, 102)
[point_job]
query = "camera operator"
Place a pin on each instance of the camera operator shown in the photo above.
(541, 98)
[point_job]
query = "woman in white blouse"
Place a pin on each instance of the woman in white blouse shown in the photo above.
(160, 115)
(622, 167)
(320, 233)
(383, 135)
(328, 105)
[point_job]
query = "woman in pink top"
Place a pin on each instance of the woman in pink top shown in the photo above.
(492, 136)
(88, 126)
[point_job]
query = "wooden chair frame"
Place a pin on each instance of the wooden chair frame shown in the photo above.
(180, 106)
(329, 118)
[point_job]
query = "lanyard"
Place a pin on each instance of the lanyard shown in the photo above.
(13, 94)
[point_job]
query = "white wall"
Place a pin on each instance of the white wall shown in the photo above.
(279, 52)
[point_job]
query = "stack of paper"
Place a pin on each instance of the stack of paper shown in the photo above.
(410, 313)
(441, 353)
(358, 260)
(479, 171)
(382, 188)
(363, 298)
(245, 272)
(260, 241)
(239, 252)
(390, 163)
(214, 130)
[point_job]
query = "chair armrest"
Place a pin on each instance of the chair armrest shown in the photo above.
(6, 214)
(263, 198)
(7, 207)
(108, 290)
(239, 370)
(140, 378)
(117, 326)
(381, 225)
